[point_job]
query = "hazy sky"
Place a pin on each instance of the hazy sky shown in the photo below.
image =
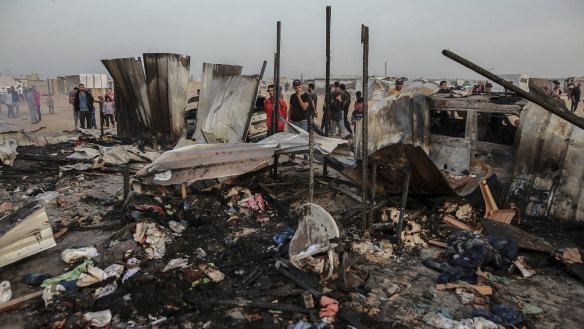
(59, 37)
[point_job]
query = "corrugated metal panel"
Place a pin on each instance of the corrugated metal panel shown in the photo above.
(227, 119)
(132, 104)
(548, 178)
(167, 77)
(205, 161)
(211, 77)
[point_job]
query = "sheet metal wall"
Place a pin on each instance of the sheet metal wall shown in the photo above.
(227, 119)
(150, 104)
(132, 104)
(211, 76)
(167, 77)
(549, 166)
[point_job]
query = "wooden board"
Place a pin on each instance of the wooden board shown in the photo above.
(524, 239)
(16, 302)
(438, 243)
(484, 290)
(454, 223)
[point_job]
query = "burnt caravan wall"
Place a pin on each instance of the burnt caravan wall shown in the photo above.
(150, 105)
(548, 178)
(167, 78)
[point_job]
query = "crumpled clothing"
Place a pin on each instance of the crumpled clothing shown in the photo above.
(71, 275)
(499, 279)
(450, 272)
(422, 309)
(505, 315)
(284, 236)
(440, 321)
(473, 249)
(329, 308)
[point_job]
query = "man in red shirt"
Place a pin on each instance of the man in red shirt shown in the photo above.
(269, 106)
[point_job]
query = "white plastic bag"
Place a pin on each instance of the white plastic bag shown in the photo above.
(72, 255)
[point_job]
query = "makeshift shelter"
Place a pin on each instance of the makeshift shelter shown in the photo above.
(150, 101)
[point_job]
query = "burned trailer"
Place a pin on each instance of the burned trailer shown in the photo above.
(536, 155)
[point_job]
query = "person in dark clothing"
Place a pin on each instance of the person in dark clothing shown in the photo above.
(337, 115)
(15, 100)
(298, 115)
(83, 102)
(444, 88)
(575, 97)
(346, 102)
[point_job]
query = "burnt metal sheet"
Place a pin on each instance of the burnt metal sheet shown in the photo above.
(167, 77)
(548, 176)
(211, 77)
(399, 118)
(227, 119)
(391, 160)
(204, 161)
(132, 102)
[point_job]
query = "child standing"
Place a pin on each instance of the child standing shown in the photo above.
(109, 109)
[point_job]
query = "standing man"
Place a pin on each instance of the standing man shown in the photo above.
(556, 91)
(346, 102)
(20, 93)
(15, 100)
(575, 97)
(313, 110)
(488, 88)
(398, 87)
(570, 86)
(75, 112)
(7, 100)
(37, 102)
(31, 107)
(298, 114)
(269, 108)
(83, 102)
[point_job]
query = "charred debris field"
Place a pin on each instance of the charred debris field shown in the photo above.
(248, 254)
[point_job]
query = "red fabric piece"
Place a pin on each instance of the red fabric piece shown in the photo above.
(329, 308)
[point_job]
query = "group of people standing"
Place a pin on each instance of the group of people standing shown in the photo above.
(304, 104)
(14, 96)
(83, 104)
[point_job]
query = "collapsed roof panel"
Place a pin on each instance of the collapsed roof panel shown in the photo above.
(211, 77)
(25, 232)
